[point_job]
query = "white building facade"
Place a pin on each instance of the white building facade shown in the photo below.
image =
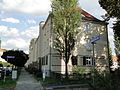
(49, 61)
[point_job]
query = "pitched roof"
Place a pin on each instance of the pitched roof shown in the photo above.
(114, 57)
(85, 16)
(2, 50)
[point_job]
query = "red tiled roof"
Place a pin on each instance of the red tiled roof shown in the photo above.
(114, 57)
(83, 12)
(1, 50)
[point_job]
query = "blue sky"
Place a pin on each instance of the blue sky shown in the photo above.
(19, 20)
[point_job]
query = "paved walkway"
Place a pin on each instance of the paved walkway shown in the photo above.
(27, 82)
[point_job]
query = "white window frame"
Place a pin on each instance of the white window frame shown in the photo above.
(88, 61)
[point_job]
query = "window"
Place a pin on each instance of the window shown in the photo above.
(43, 60)
(88, 44)
(46, 60)
(87, 28)
(74, 60)
(87, 61)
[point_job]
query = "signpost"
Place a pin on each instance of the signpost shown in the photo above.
(14, 74)
(8, 57)
(93, 40)
(44, 74)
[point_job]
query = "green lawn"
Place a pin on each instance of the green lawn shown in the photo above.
(47, 80)
(9, 83)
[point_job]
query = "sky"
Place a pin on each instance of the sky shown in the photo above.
(19, 20)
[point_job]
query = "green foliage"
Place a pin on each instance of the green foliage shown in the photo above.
(110, 57)
(31, 43)
(9, 83)
(79, 70)
(1, 65)
(47, 80)
(66, 18)
(19, 60)
(6, 64)
(116, 31)
(111, 6)
(103, 81)
(113, 10)
(79, 74)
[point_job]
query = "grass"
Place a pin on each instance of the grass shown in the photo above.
(47, 80)
(9, 83)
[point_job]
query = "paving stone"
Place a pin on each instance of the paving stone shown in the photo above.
(27, 82)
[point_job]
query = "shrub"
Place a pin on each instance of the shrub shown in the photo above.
(103, 81)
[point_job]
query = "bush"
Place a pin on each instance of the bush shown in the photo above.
(38, 74)
(79, 72)
(103, 81)
(33, 70)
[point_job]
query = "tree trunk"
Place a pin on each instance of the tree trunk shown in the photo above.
(66, 57)
(66, 71)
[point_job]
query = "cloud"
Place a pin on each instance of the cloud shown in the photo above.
(9, 32)
(12, 38)
(15, 43)
(11, 20)
(31, 21)
(93, 8)
(3, 28)
(33, 7)
(31, 32)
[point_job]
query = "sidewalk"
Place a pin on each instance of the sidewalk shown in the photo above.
(27, 82)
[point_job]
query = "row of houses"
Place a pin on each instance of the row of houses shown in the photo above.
(44, 57)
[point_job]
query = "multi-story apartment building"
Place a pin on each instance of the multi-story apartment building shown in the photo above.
(49, 61)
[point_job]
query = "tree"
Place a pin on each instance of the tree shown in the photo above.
(1, 65)
(31, 43)
(66, 18)
(15, 57)
(113, 9)
(110, 57)
(116, 29)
